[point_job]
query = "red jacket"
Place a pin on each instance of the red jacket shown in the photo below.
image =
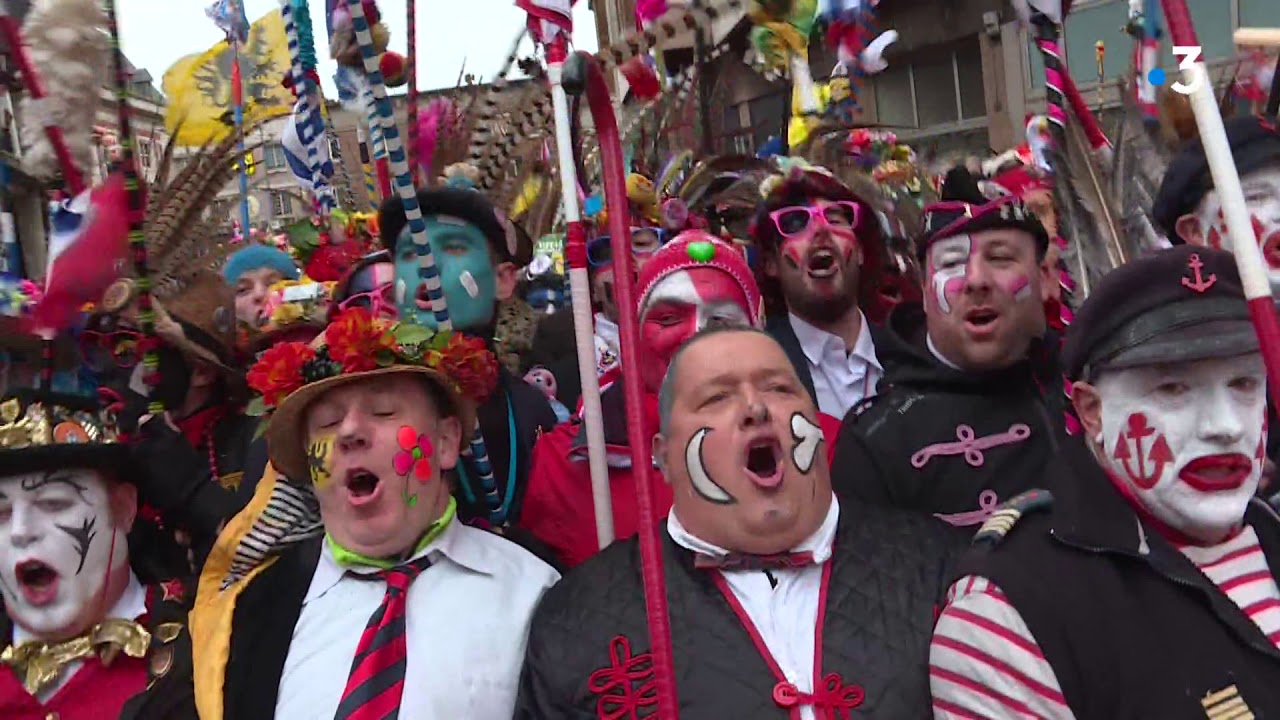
(557, 504)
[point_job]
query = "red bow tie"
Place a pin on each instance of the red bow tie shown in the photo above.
(742, 561)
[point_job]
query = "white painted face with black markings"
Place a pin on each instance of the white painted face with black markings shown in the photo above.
(58, 545)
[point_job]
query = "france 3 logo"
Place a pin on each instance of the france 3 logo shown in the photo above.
(1189, 64)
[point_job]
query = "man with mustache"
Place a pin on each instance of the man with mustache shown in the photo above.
(815, 238)
(1145, 585)
(971, 407)
(783, 601)
(84, 629)
(692, 283)
(349, 587)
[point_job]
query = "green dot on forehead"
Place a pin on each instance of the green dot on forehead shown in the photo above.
(701, 251)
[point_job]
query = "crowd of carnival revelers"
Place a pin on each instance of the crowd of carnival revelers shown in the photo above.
(897, 470)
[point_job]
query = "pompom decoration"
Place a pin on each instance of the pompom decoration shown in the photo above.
(394, 68)
(701, 251)
(642, 77)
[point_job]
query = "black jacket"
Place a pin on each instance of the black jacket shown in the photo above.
(514, 401)
(886, 574)
(779, 327)
(943, 441)
(1131, 627)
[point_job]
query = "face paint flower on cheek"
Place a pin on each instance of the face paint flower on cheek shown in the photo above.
(414, 457)
(1184, 444)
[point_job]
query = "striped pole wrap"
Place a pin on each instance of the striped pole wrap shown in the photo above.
(306, 94)
(1046, 31)
(137, 213)
(403, 186)
(411, 60)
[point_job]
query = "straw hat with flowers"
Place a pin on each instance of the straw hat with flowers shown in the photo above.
(354, 347)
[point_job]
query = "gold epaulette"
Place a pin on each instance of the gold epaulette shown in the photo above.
(1007, 515)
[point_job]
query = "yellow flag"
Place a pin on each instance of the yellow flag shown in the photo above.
(199, 90)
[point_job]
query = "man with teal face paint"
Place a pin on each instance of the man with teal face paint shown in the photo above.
(477, 253)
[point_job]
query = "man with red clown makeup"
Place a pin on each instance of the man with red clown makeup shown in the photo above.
(692, 283)
(818, 240)
(1145, 585)
(783, 601)
(972, 404)
(83, 636)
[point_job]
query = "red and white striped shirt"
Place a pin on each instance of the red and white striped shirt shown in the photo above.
(984, 663)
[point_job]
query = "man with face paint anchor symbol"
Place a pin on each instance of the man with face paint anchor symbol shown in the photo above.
(783, 602)
(972, 405)
(476, 252)
(84, 629)
(1146, 585)
(692, 283)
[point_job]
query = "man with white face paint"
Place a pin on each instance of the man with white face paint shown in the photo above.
(1144, 586)
(692, 283)
(784, 602)
(972, 404)
(82, 636)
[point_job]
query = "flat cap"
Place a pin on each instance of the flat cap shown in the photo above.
(1255, 143)
(1175, 305)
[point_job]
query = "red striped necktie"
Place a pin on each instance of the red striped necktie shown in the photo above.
(376, 681)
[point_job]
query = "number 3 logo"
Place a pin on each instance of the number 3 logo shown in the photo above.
(1190, 55)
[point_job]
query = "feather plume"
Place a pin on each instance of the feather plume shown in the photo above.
(68, 48)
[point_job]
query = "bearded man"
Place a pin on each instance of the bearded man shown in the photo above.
(815, 237)
(681, 291)
(784, 603)
(972, 406)
(83, 635)
(1145, 586)
(355, 573)
(476, 252)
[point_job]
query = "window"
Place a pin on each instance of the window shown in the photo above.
(281, 204)
(273, 156)
(335, 148)
(768, 115)
(144, 154)
(938, 86)
(1105, 21)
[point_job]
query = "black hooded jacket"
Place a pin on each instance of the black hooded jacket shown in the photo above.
(948, 442)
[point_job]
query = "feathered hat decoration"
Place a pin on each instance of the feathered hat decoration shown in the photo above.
(68, 47)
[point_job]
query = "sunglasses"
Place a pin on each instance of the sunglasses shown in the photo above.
(373, 288)
(600, 252)
(102, 350)
(796, 220)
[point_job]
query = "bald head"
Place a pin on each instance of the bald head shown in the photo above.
(667, 392)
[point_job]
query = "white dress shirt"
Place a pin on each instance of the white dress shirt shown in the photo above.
(466, 624)
(786, 614)
(841, 378)
(131, 606)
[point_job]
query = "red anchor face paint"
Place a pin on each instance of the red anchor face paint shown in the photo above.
(1183, 439)
(1262, 197)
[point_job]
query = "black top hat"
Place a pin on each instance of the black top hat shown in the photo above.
(40, 431)
(506, 242)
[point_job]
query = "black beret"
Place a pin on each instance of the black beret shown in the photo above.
(964, 210)
(1255, 143)
(1141, 314)
(468, 205)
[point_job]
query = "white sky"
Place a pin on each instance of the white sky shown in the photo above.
(156, 33)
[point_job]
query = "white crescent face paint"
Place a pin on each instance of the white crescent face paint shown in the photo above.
(948, 261)
(808, 437)
(702, 482)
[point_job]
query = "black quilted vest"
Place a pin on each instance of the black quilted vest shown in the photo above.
(588, 648)
(1132, 629)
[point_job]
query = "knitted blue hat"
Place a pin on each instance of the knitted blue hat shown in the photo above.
(259, 256)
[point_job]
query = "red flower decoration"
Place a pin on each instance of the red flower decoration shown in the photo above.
(279, 371)
(468, 363)
(415, 454)
(355, 338)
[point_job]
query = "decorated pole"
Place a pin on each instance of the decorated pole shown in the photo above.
(302, 73)
(35, 87)
(137, 214)
(584, 72)
(411, 62)
(1226, 179)
(237, 99)
(579, 287)
(418, 230)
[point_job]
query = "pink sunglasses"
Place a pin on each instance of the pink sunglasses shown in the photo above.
(796, 220)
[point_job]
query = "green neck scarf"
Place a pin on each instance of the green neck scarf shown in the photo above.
(353, 559)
